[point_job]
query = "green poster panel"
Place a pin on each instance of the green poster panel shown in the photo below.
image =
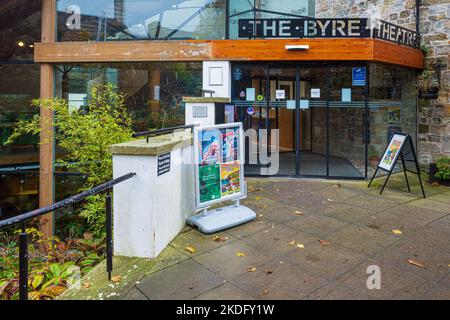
(209, 183)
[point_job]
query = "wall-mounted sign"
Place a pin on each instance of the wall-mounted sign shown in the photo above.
(250, 111)
(200, 111)
(359, 76)
(260, 97)
(164, 163)
(237, 74)
(251, 94)
(219, 167)
(315, 93)
(280, 94)
(393, 33)
(304, 28)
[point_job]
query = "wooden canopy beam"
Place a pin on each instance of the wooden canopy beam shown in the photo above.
(350, 49)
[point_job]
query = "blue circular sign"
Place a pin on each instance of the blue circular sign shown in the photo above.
(237, 74)
(250, 111)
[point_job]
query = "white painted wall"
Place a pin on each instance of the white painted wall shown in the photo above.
(149, 211)
(210, 118)
(217, 77)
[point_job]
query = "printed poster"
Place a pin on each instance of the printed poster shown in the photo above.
(230, 179)
(230, 145)
(209, 183)
(209, 147)
(392, 152)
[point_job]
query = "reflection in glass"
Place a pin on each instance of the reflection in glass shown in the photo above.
(108, 20)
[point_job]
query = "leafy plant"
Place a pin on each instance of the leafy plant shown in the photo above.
(443, 168)
(85, 135)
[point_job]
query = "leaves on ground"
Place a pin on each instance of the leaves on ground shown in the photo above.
(220, 238)
(251, 269)
(397, 232)
(416, 263)
(86, 285)
(266, 292)
(295, 243)
(190, 249)
(324, 243)
(257, 198)
(240, 254)
(116, 279)
(268, 271)
(300, 213)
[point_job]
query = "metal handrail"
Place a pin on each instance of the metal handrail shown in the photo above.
(23, 237)
(151, 133)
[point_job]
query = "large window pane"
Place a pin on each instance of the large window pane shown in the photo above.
(108, 20)
(20, 28)
(392, 107)
(266, 9)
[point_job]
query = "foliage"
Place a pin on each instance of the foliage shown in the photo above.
(443, 168)
(86, 134)
(53, 270)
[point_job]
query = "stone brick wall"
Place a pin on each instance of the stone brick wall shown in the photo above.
(433, 115)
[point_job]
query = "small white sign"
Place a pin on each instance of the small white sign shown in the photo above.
(200, 111)
(346, 95)
(281, 94)
(315, 93)
(304, 104)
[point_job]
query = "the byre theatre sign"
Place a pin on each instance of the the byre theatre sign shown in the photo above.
(303, 28)
(326, 28)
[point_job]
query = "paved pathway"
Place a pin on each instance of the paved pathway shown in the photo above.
(314, 240)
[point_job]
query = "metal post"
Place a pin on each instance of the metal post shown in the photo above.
(406, 173)
(373, 178)
(109, 241)
(23, 265)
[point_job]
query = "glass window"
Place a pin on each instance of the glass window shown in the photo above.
(153, 91)
(392, 107)
(107, 20)
(20, 28)
(266, 9)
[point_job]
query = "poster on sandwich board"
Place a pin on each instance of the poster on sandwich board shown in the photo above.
(392, 152)
(219, 166)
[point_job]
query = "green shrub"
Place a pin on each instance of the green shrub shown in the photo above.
(85, 135)
(443, 168)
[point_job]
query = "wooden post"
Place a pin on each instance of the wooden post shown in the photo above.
(46, 153)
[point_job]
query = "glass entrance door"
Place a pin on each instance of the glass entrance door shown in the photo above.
(301, 120)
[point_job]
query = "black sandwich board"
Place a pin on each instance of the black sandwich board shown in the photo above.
(400, 147)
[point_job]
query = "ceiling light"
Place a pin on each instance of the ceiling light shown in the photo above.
(21, 44)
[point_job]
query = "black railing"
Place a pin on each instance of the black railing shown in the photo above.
(23, 218)
(151, 133)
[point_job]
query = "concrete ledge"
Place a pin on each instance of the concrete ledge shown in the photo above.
(206, 100)
(155, 146)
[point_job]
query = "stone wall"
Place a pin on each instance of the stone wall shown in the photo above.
(433, 115)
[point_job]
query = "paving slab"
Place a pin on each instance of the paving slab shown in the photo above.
(435, 234)
(345, 212)
(183, 281)
(439, 292)
(395, 284)
(278, 240)
(225, 292)
(200, 242)
(317, 225)
(285, 282)
(329, 261)
(362, 240)
(234, 259)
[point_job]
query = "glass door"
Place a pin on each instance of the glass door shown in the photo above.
(313, 120)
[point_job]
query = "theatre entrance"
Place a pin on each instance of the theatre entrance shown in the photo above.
(318, 111)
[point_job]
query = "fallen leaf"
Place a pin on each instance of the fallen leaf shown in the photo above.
(435, 184)
(301, 246)
(86, 285)
(397, 232)
(260, 216)
(251, 269)
(338, 185)
(323, 243)
(416, 263)
(258, 198)
(300, 213)
(240, 254)
(292, 243)
(330, 200)
(277, 190)
(266, 292)
(116, 279)
(268, 271)
(265, 206)
(190, 249)
(220, 238)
